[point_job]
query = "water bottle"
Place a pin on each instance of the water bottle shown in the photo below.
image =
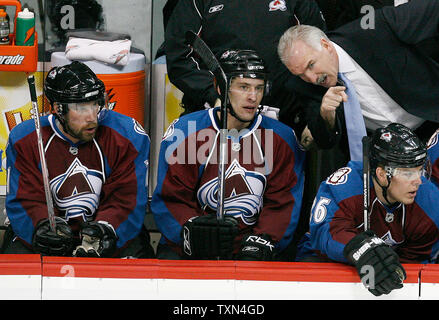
(4, 28)
(25, 31)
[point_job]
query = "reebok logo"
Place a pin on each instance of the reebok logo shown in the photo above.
(216, 8)
(17, 60)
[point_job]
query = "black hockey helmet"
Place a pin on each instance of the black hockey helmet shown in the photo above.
(243, 63)
(73, 83)
(396, 146)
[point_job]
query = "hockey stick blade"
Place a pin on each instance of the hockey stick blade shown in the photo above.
(209, 59)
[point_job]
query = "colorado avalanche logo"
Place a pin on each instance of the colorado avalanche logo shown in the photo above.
(244, 192)
(433, 140)
(277, 5)
(386, 136)
(138, 128)
(170, 131)
(388, 239)
(77, 191)
(339, 177)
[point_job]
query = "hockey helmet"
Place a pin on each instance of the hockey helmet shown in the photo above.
(398, 147)
(243, 63)
(73, 83)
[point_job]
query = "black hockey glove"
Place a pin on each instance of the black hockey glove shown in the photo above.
(205, 237)
(256, 248)
(48, 243)
(98, 239)
(375, 260)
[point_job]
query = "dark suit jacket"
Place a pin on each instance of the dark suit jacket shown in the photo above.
(389, 54)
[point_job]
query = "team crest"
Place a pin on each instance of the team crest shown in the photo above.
(77, 191)
(388, 239)
(244, 192)
(277, 5)
(433, 140)
(170, 131)
(339, 177)
(386, 136)
(138, 128)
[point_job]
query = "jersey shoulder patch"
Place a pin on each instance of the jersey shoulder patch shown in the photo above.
(339, 177)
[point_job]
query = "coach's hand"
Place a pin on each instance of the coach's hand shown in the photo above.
(330, 102)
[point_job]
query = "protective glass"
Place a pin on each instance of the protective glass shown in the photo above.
(411, 174)
(84, 107)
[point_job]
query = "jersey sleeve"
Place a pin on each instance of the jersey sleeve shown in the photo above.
(174, 200)
(333, 221)
(125, 192)
(282, 198)
(25, 198)
(422, 235)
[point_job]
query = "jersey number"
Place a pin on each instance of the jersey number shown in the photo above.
(320, 210)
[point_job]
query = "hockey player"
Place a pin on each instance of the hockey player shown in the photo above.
(236, 24)
(433, 152)
(263, 177)
(97, 163)
(403, 214)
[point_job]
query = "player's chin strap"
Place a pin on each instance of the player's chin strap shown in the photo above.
(384, 189)
(101, 115)
(233, 114)
(65, 127)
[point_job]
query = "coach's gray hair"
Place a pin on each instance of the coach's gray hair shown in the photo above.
(309, 34)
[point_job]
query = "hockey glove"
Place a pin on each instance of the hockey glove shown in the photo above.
(205, 237)
(256, 248)
(98, 239)
(376, 261)
(48, 243)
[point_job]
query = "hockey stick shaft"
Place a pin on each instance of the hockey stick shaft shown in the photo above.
(366, 181)
(45, 173)
(213, 65)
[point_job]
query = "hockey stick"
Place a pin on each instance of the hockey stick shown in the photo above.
(35, 114)
(366, 179)
(213, 65)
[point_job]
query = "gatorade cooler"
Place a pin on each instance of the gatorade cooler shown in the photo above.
(125, 85)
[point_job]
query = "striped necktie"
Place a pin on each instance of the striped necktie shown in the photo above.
(355, 126)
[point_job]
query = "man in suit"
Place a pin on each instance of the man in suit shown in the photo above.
(392, 79)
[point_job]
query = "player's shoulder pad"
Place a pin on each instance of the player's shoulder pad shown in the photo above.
(426, 198)
(346, 181)
(433, 142)
(282, 130)
(188, 124)
(126, 126)
(25, 128)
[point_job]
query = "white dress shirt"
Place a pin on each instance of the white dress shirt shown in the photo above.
(377, 107)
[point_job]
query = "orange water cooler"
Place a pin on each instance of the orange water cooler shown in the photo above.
(125, 85)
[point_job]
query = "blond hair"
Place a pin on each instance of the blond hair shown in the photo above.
(308, 34)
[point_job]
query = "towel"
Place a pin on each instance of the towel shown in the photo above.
(112, 52)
